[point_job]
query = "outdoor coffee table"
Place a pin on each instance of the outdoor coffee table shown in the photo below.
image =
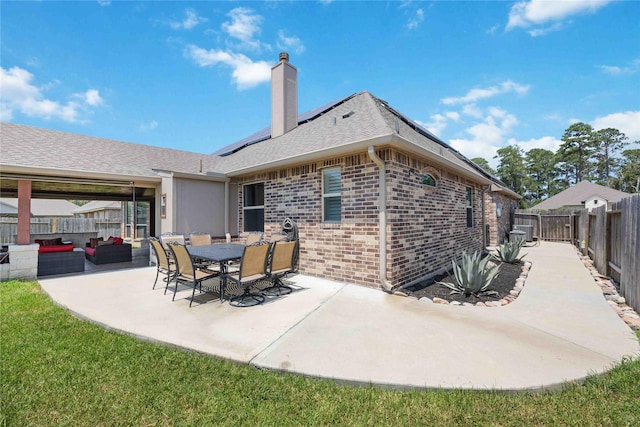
(221, 253)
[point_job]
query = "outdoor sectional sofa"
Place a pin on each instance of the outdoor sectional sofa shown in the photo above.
(57, 257)
(100, 251)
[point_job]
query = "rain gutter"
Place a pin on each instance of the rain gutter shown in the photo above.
(382, 210)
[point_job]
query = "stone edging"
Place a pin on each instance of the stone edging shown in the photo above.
(611, 295)
(513, 294)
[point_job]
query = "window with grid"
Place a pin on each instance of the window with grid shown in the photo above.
(331, 199)
(253, 207)
(469, 207)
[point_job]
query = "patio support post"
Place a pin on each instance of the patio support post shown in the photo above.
(226, 207)
(382, 216)
(24, 212)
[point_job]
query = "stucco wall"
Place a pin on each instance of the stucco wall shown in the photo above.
(426, 227)
(199, 206)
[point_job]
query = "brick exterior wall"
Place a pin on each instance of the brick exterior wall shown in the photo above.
(426, 227)
(499, 227)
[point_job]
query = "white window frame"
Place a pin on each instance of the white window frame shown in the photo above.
(331, 195)
(468, 195)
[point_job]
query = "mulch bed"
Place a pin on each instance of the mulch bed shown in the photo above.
(503, 283)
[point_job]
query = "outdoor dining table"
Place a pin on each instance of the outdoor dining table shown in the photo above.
(221, 253)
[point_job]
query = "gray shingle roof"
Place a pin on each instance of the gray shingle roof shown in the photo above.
(359, 119)
(356, 118)
(579, 193)
(44, 148)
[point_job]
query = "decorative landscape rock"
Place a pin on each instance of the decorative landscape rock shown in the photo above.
(617, 302)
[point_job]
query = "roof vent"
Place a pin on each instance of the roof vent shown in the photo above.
(284, 57)
(349, 114)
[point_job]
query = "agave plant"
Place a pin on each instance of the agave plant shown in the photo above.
(472, 276)
(509, 252)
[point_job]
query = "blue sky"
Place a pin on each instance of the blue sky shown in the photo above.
(195, 75)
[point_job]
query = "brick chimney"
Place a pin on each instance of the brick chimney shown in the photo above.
(284, 97)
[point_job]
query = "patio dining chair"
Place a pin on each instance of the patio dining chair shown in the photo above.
(253, 268)
(186, 271)
(164, 265)
(199, 239)
(170, 237)
(278, 237)
(254, 238)
(282, 262)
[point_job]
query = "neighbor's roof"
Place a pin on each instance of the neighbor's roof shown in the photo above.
(97, 205)
(36, 147)
(39, 207)
(579, 193)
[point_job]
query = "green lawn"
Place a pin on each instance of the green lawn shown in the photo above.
(58, 370)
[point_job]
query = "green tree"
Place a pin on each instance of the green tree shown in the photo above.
(484, 164)
(541, 175)
(610, 142)
(629, 178)
(511, 169)
(578, 145)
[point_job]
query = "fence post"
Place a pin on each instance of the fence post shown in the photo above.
(607, 243)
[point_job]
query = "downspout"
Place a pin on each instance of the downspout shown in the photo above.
(382, 217)
(485, 243)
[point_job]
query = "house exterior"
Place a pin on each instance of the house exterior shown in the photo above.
(378, 200)
(100, 209)
(39, 207)
(583, 195)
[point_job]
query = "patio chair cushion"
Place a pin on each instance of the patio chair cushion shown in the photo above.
(55, 248)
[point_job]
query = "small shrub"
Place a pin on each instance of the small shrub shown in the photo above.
(472, 276)
(509, 252)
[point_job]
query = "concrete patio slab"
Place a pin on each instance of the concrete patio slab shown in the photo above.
(559, 330)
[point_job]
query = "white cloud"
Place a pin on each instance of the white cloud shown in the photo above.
(92, 97)
(416, 20)
(627, 122)
(290, 44)
(244, 26)
(548, 15)
(148, 126)
(475, 95)
(439, 122)
(615, 70)
(20, 95)
(104, 2)
(191, 20)
(472, 110)
(546, 142)
(246, 73)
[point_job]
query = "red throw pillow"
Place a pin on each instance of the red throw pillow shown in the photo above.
(48, 242)
(93, 241)
(118, 240)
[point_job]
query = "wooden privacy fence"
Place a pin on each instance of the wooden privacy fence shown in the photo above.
(60, 226)
(550, 226)
(612, 239)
